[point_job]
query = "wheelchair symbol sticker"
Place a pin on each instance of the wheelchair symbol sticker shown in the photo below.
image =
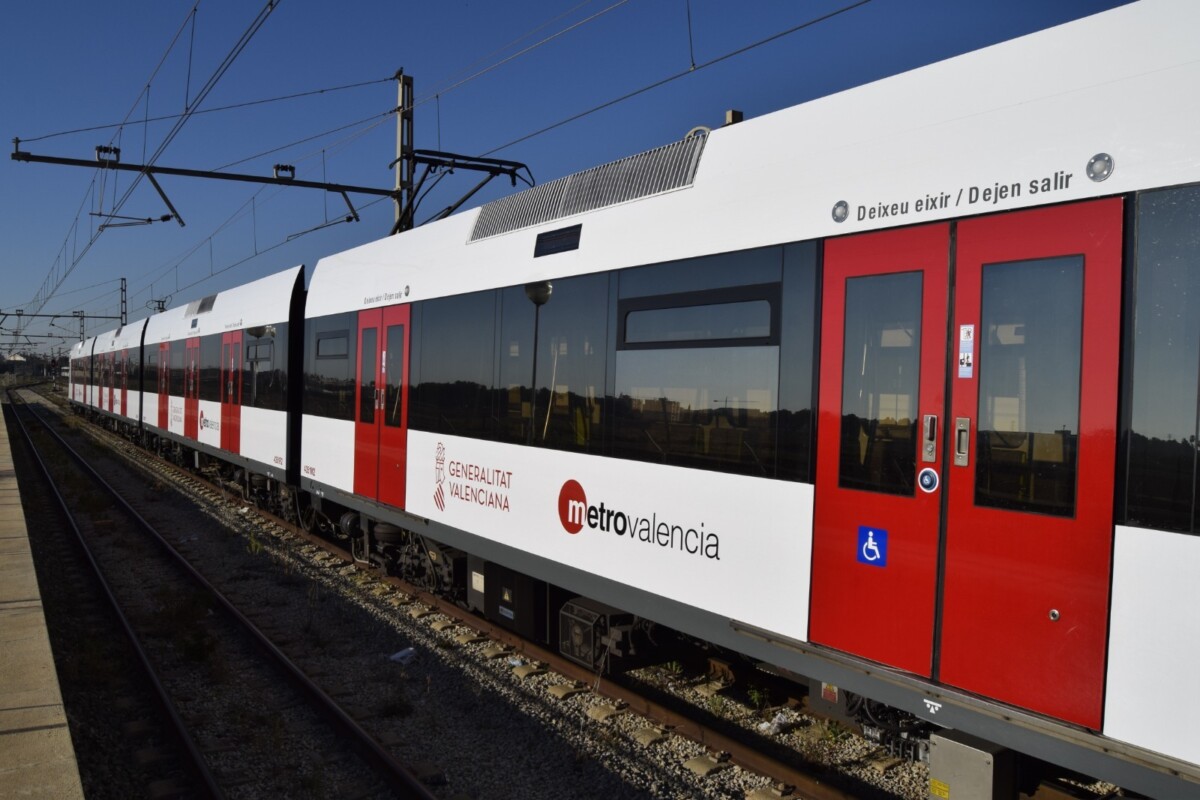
(928, 480)
(872, 546)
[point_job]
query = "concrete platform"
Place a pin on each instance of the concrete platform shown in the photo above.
(37, 758)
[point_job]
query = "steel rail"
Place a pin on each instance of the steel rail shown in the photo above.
(398, 777)
(198, 762)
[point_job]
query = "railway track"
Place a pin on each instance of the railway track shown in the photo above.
(243, 718)
(707, 744)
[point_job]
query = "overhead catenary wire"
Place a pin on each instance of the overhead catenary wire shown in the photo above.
(374, 121)
(201, 111)
(440, 87)
(663, 81)
(436, 94)
(527, 50)
(56, 276)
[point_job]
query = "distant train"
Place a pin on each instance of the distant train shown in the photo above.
(896, 390)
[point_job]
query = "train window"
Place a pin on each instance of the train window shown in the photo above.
(176, 373)
(1161, 419)
(329, 367)
(210, 368)
(265, 378)
(334, 344)
(722, 271)
(708, 408)
(749, 319)
(367, 372)
(797, 362)
(150, 372)
(571, 354)
(133, 368)
(1030, 341)
(516, 365)
(697, 368)
(880, 371)
(738, 316)
(394, 376)
(451, 391)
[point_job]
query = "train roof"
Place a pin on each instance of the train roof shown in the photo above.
(1099, 106)
(83, 348)
(261, 302)
(123, 338)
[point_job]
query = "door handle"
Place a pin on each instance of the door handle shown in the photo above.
(962, 441)
(929, 439)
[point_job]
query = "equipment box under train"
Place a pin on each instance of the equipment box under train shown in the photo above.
(592, 634)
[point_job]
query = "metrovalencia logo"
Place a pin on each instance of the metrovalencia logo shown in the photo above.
(575, 513)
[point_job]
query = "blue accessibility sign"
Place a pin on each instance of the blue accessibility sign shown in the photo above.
(872, 546)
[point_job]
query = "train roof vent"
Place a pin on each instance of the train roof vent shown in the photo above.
(202, 306)
(664, 169)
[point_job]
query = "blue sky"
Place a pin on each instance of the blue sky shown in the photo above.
(67, 65)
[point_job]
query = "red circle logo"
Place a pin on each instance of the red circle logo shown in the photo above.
(572, 506)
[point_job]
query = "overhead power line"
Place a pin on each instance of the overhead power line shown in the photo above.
(57, 276)
(198, 112)
(690, 70)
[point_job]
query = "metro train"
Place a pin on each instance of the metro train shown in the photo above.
(895, 390)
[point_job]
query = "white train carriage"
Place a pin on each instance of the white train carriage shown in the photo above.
(215, 373)
(896, 389)
(115, 387)
(80, 378)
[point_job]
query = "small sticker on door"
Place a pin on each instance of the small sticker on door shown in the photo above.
(966, 351)
(872, 546)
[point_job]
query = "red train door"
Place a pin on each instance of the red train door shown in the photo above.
(366, 414)
(875, 532)
(164, 383)
(1033, 427)
(381, 416)
(191, 388)
(231, 391)
(393, 424)
(1027, 432)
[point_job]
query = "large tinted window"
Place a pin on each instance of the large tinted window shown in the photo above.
(697, 363)
(454, 346)
(177, 372)
(516, 366)
(133, 367)
(150, 372)
(572, 342)
(797, 360)
(329, 366)
(210, 368)
(1161, 418)
(266, 358)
